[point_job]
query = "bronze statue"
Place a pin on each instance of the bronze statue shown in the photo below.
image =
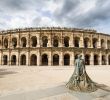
(79, 80)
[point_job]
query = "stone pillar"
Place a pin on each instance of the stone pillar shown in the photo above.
(99, 43)
(81, 43)
(106, 44)
(38, 59)
(91, 42)
(100, 58)
(61, 59)
(72, 59)
(92, 59)
(38, 40)
(49, 41)
(49, 59)
(71, 41)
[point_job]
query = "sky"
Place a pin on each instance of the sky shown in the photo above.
(88, 14)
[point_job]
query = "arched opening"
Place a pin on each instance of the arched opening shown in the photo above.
(34, 41)
(102, 43)
(23, 42)
(6, 43)
(96, 59)
(95, 43)
(44, 41)
(13, 60)
(23, 60)
(66, 59)
(56, 59)
(44, 59)
(5, 60)
(103, 60)
(76, 41)
(109, 59)
(66, 41)
(55, 41)
(33, 59)
(87, 59)
(108, 44)
(14, 42)
(86, 42)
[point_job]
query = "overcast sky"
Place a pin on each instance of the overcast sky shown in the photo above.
(93, 14)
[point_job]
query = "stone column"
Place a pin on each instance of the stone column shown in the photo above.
(49, 59)
(61, 59)
(72, 59)
(99, 43)
(38, 40)
(92, 59)
(71, 41)
(91, 42)
(81, 41)
(100, 58)
(38, 59)
(106, 45)
(49, 41)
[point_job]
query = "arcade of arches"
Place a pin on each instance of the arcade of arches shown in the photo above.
(53, 46)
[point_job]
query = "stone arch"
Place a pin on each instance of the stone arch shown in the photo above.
(6, 43)
(23, 42)
(5, 60)
(87, 59)
(66, 59)
(102, 43)
(96, 59)
(14, 42)
(103, 60)
(108, 44)
(55, 59)
(13, 60)
(34, 41)
(33, 60)
(44, 41)
(66, 41)
(23, 59)
(109, 60)
(55, 41)
(44, 59)
(76, 41)
(94, 42)
(86, 42)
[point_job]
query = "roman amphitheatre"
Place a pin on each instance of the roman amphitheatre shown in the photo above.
(49, 46)
(36, 63)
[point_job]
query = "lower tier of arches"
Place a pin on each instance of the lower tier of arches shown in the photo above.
(54, 59)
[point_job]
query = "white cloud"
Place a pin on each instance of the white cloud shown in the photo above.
(73, 13)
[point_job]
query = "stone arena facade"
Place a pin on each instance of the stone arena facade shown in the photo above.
(51, 46)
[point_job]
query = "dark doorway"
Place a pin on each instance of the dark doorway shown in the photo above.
(33, 59)
(87, 59)
(34, 41)
(5, 60)
(13, 60)
(66, 59)
(23, 42)
(23, 60)
(56, 59)
(44, 59)
(66, 41)
(44, 41)
(76, 41)
(103, 60)
(14, 42)
(6, 43)
(96, 60)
